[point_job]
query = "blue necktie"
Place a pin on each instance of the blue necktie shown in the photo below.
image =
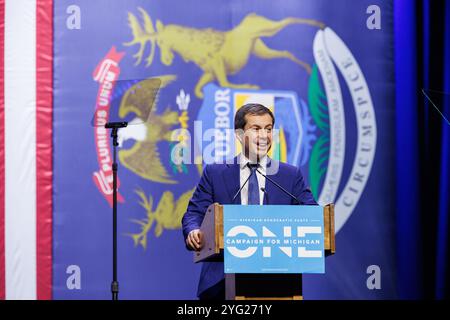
(253, 188)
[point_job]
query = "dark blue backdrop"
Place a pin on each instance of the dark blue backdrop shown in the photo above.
(422, 59)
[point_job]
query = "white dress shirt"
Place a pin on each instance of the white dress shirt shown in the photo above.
(244, 173)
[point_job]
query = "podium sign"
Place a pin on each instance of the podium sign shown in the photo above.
(273, 239)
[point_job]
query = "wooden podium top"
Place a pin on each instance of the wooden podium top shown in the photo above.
(212, 229)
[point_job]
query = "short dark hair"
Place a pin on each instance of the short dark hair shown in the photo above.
(250, 108)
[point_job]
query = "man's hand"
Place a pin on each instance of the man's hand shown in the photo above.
(194, 239)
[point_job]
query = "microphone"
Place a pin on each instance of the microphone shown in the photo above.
(266, 194)
(243, 185)
(279, 187)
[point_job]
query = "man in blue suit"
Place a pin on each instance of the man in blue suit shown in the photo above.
(242, 182)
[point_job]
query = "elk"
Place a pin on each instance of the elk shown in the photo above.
(217, 53)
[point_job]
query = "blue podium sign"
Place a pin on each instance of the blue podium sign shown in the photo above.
(273, 239)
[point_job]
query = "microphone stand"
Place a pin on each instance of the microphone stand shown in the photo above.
(279, 186)
(115, 126)
(240, 189)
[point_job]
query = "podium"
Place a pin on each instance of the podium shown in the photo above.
(258, 286)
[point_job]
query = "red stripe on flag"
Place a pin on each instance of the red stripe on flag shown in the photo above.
(44, 146)
(2, 151)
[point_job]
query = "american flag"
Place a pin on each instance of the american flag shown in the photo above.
(26, 173)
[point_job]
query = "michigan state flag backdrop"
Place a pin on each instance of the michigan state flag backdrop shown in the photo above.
(320, 67)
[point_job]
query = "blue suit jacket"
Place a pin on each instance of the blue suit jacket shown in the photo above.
(219, 183)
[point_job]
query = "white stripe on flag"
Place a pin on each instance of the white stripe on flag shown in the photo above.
(20, 149)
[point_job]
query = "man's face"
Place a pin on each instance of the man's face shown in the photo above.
(256, 139)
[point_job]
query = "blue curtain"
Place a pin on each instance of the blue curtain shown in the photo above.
(422, 45)
(442, 279)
